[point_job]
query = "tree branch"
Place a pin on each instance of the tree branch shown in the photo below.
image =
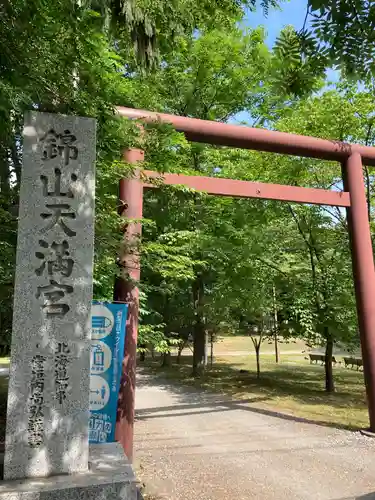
(272, 266)
(298, 225)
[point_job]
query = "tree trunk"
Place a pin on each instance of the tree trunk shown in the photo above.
(16, 163)
(4, 158)
(142, 355)
(330, 386)
(179, 352)
(199, 348)
(205, 348)
(275, 325)
(257, 342)
(212, 349)
(4, 174)
(257, 353)
(166, 360)
(199, 343)
(276, 348)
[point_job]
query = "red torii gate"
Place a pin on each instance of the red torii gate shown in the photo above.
(351, 157)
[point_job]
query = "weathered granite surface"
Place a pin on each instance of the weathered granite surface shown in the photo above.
(110, 477)
(48, 401)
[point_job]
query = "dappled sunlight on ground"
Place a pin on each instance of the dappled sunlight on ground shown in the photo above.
(293, 386)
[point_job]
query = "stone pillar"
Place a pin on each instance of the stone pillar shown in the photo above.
(48, 401)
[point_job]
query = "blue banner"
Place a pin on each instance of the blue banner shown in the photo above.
(107, 350)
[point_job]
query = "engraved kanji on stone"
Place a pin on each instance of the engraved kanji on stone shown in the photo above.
(57, 217)
(35, 439)
(61, 396)
(37, 362)
(62, 385)
(62, 351)
(53, 293)
(37, 386)
(37, 374)
(62, 348)
(55, 144)
(36, 410)
(55, 259)
(57, 185)
(35, 430)
(61, 372)
(37, 399)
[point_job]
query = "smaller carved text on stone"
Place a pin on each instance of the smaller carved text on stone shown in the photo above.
(35, 425)
(62, 353)
(63, 144)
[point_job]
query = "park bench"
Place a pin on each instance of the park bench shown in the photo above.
(320, 357)
(352, 362)
(316, 358)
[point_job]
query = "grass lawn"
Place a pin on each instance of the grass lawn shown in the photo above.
(293, 387)
(238, 343)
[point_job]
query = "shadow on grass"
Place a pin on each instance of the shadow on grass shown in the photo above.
(302, 384)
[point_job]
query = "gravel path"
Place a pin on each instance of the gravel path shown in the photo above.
(197, 446)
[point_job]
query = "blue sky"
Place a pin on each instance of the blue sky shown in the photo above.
(293, 13)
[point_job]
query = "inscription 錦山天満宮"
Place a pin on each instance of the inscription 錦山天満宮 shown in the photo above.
(55, 255)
